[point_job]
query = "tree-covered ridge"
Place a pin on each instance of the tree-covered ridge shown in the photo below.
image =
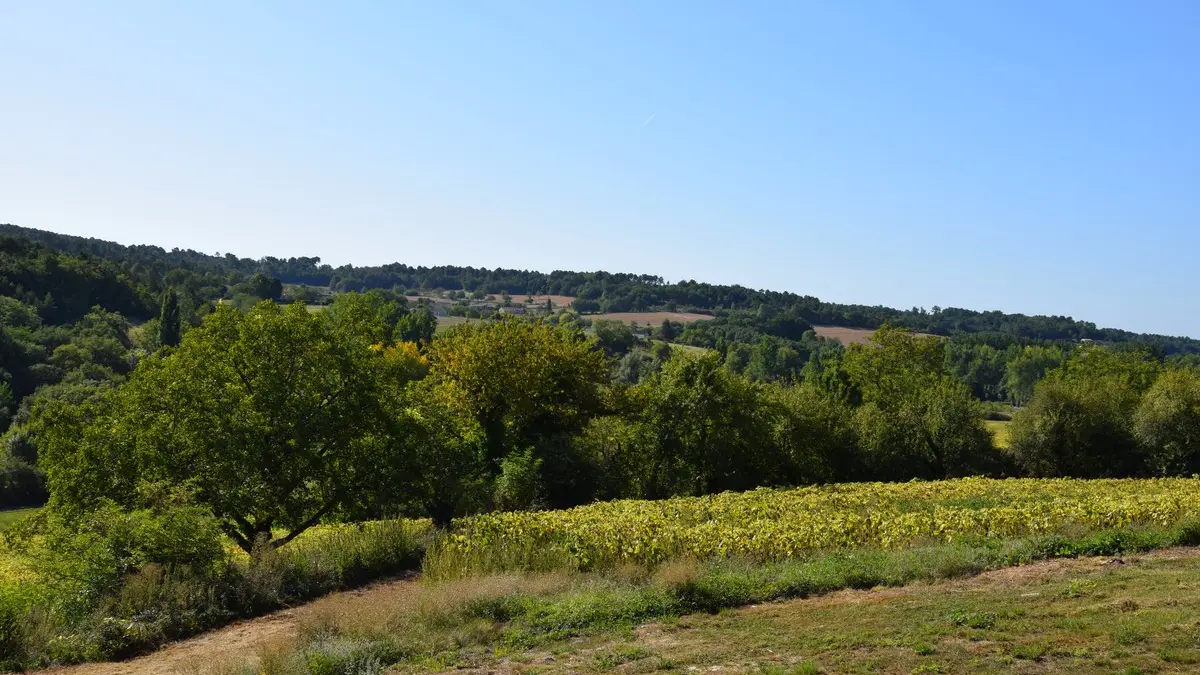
(606, 292)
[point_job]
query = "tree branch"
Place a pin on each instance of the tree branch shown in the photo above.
(316, 517)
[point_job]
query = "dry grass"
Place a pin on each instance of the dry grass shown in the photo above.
(650, 318)
(559, 301)
(847, 336)
(850, 336)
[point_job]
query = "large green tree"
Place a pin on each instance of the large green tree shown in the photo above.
(1167, 422)
(1080, 419)
(419, 326)
(705, 429)
(271, 418)
(1027, 368)
(916, 419)
(526, 385)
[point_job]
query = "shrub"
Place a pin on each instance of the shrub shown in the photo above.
(88, 557)
(518, 486)
(1167, 422)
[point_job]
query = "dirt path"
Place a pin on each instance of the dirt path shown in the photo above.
(242, 642)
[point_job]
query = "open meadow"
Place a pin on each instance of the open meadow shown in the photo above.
(847, 336)
(519, 299)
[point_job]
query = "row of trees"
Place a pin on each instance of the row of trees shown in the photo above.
(595, 291)
(277, 418)
(1106, 413)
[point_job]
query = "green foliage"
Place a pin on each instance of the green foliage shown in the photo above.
(21, 483)
(373, 317)
(86, 557)
(417, 326)
(170, 324)
(705, 429)
(1080, 420)
(518, 486)
(1028, 368)
(667, 331)
(614, 337)
(117, 583)
(916, 419)
(269, 417)
(1167, 422)
(813, 430)
(262, 287)
(524, 385)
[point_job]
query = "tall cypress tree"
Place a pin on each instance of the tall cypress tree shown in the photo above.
(169, 329)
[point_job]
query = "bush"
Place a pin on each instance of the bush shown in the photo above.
(87, 558)
(12, 635)
(1167, 422)
(518, 487)
(1077, 430)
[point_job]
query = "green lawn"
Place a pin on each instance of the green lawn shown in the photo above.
(9, 517)
(1000, 429)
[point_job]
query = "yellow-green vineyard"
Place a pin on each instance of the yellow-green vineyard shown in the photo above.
(777, 524)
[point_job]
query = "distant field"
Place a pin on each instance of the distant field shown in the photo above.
(9, 517)
(847, 336)
(560, 301)
(1000, 429)
(691, 349)
(650, 318)
(444, 322)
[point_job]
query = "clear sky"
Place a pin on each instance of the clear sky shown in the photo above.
(1040, 157)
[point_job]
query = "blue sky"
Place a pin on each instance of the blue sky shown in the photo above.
(1032, 157)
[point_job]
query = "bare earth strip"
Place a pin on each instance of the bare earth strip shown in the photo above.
(243, 642)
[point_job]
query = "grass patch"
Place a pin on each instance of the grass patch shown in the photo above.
(465, 622)
(1000, 432)
(9, 517)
